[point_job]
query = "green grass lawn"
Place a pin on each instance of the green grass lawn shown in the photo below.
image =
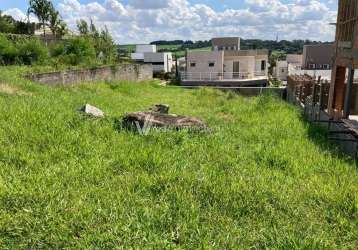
(263, 178)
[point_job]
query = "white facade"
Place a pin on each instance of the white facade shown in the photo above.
(281, 70)
(226, 65)
(137, 56)
(144, 48)
(141, 49)
(162, 62)
(296, 70)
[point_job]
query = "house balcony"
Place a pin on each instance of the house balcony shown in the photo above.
(229, 79)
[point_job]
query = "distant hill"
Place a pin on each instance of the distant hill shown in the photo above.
(289, 47)
(178, 47)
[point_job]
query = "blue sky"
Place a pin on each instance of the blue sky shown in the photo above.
(218, 5)
(132, 21)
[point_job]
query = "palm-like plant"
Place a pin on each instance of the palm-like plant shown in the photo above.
(55, 22)
(42, 9)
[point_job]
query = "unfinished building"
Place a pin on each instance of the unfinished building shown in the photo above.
(342, 98)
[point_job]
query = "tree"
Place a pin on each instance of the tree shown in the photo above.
(82, 27)
(42, 9)
(57, 25)
(55, 21)
(104, 45)
(62, 29)
(93, 29)
(6, 24)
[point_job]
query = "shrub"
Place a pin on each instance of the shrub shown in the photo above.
(8, 52)
(167, 76)
(32, 52)
(57, 49)
(78, 51)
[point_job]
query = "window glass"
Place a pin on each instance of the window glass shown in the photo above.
(263, 65)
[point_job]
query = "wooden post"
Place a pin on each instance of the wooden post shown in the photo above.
(313, 106)
(347, 99)
(339, 89)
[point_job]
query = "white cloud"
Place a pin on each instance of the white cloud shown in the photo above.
(19, 15)
(149, 4)
(142, 21)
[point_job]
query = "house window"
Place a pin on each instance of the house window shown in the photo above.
(192, 64)
(157, 63)
(211, 64)
(263, 65)
(312, 66)
(326, 66)
(319, 66)
(283, 70)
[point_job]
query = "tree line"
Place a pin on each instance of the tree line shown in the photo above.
(45, 12)
(288, 47)
(92, 46)
(11, 26)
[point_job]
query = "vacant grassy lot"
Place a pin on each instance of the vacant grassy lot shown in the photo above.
(262, 179)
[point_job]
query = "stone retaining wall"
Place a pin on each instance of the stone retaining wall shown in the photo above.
(125, 72)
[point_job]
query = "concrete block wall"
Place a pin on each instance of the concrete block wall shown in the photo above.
(125, 72)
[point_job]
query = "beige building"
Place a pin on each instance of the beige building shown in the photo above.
(295, 59)
(318, 57)
(280, 72)
(283, 68)
(225, 43)
(226, 65)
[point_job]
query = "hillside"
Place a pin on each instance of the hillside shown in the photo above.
(263, 178)
(284, 46)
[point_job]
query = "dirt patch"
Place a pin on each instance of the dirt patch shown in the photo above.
(226, 116)
(12, 90)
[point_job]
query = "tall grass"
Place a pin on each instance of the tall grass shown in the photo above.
(260, 179)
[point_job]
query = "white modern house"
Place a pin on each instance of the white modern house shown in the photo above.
(141, 49)
(161, 61)
(282, 69)
(226, 65)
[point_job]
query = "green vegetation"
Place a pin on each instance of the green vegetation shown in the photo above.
(284, 46)
(43, 10)
(9, 25)
(92, 48)
(178, 47)
(28, 51)
(177, 50)
(78, 51)
(263, 178)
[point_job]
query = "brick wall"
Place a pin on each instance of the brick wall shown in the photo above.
(125, 72)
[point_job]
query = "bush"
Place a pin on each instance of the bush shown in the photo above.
(167, 76)
(32, 52)
(57, 49)
(77, 51)
(8, 52)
